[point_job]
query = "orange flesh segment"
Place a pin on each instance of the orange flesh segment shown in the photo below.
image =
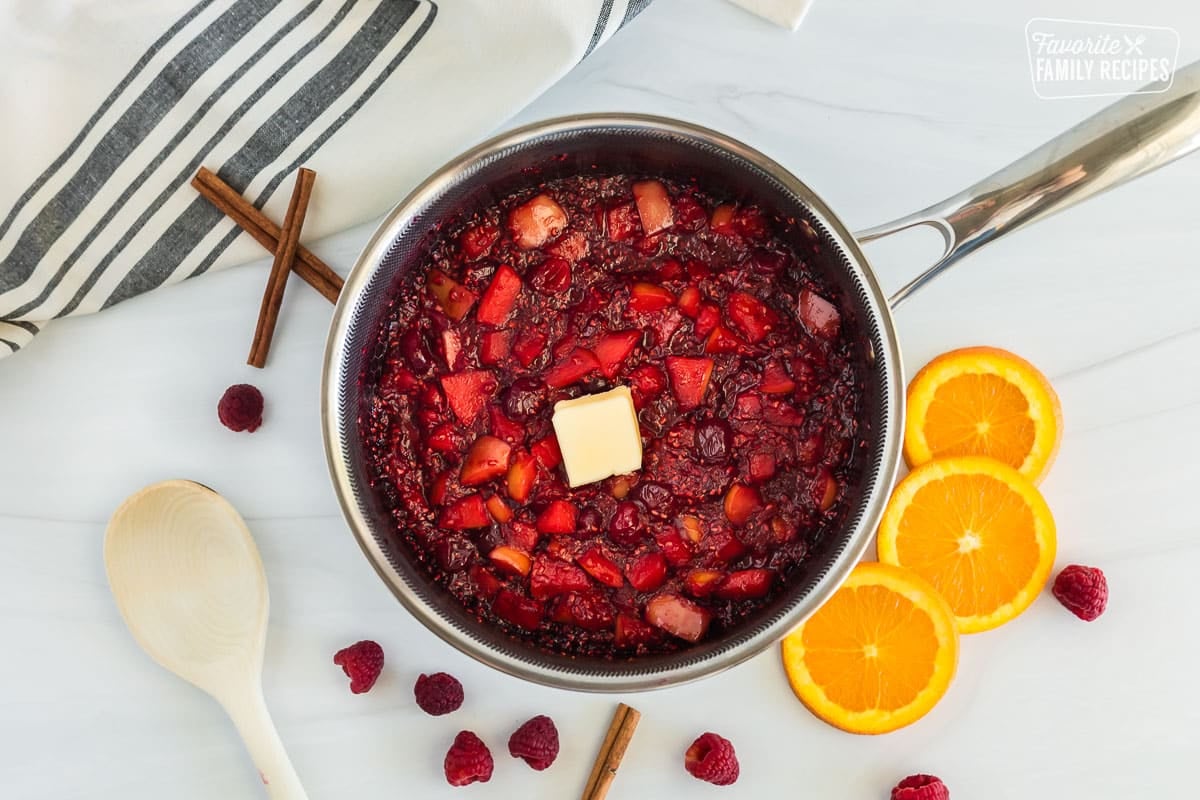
(981, 415)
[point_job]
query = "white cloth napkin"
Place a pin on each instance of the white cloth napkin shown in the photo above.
(786, 13)
(110, 107)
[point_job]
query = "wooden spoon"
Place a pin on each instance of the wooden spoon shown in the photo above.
(188, 581)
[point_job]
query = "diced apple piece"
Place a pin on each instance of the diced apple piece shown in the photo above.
(445, 438)
(520, 611)
(510, 560)
(602, 568)
(552, 276)
(612, 349)
(654, 206)
(589, 610)
(745, 584)
(578, 364)
(647, 572)
(486, 584)
(819, 315)
(550, 577)
(740, 503)
(753, 319)
(707, 320)
(775, 380)
(632, 632)
(500, 297)
(722, 340)
(689, 214)
(689, 302)
(465, 512)
(536, 222)
(762, 466)
(623, 222)
(441, 485)
(499, 509)
(452, 350)
(559, 516)
(721, 220)
(646, 297)
(522, 473)
(724, 546)
(452, 296)
(689, 379)
(571, 246)
(824, 490)
(678, 617)
(547, 452)
(469, 393)
(494, 347)
(487, 459)
(477, 242)
(702, 582)
(648, 382)
(529, 347)
(677, 549)
(691, 527)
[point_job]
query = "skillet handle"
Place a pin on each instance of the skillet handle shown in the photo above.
(1131, 137)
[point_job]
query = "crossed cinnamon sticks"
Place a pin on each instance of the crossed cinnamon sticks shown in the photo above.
(283, 241)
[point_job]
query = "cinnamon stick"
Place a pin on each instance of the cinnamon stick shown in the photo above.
(285, 256)
(612, 751)
(311, 269)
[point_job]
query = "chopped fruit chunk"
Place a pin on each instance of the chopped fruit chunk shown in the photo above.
(466, 512)
(522, 473)
(689, 214)
(500, 297)
(707, 319)
(674, 546)
(590, 610)
(522, 535)
(689, 302)
(504, 428)
(546, 451)
(762, 466)
(623, 222)
(746, 584)
(632, 632)
(486, 584)
(572, 246)
(437, 492)
(648, 572)
(740, 503)
(445, 438)
(724, 546)
(529, 347)
(601, 567)
(612, 349)
(750, 316)
(689, 379)
(678, 617)
(536, 222)
(468, 393)
(520, 611)
(818, 314)
(499, 509)
(722, 340)
(552, 276)
(559, 516)
(702, 582)
(691, 528)
(775, 380)
(487, 459)
(454, 299)
(648, 383)
(452, 349)
(824, 490)
(494, 347)
(550, 577)
(578, 364)
(654, 206)
(645, 297)
(510, 560)
(477, 241)
(721, 220)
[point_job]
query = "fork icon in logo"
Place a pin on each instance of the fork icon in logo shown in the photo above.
(1134, 46)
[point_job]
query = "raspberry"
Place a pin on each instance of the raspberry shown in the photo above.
(438, 693)
(241, 408)
(1083, 590)
(362, 662)
(921, 787)
(468, 760)
(536, 741)
(711, 758)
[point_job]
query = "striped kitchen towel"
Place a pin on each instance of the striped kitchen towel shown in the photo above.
(110, 108)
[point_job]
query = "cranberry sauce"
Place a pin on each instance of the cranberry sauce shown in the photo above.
(746, 382)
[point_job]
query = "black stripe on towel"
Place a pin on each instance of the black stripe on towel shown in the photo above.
(601, 24)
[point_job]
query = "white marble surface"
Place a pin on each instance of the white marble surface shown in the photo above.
(881, 107)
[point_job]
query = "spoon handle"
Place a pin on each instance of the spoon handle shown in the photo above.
(249, 714)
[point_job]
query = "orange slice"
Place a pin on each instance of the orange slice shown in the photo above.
(983, 401)
(975, 529)
(878, 655)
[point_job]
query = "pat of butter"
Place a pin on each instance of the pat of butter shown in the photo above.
(598, 436)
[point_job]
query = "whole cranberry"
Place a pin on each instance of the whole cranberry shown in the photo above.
(657, 498)
(416, 351)
(714, 441)
(589, 522)
(626, 526)
(524, 399)
(454, 553)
